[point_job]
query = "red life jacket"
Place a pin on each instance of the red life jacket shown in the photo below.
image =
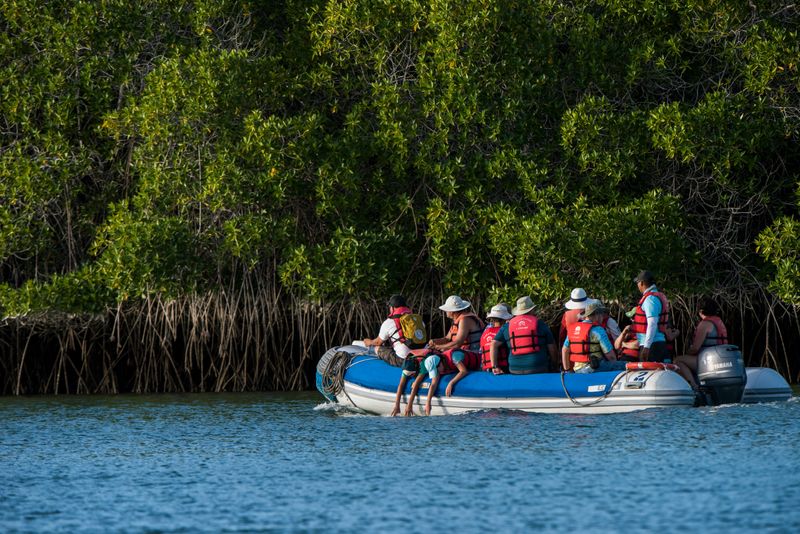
(722, 333)
(569, 318)
(579, 344)
(639, 325)
(472, 360)
(486, 345)
(627, 353)
(473, 341)
(395, 314)
(523, 330)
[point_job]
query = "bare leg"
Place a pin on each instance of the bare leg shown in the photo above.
(414, 389)
(434, 384)
(400, 388)
(686, 365)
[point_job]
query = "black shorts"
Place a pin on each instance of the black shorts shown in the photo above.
(659, 352)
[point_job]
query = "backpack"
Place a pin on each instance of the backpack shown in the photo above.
(411, 328)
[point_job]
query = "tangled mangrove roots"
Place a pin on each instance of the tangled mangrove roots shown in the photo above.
(258, 338)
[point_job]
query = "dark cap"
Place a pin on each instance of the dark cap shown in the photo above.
(646, 277)
(396, 301)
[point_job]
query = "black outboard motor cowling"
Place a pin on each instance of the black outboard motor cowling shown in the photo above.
(722, 374)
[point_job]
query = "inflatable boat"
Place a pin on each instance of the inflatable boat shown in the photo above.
(353, 376)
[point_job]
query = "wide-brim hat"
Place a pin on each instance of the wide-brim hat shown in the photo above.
(594, 306)
(454, 303)
(577, 299)
(524, 305)
(499, 311)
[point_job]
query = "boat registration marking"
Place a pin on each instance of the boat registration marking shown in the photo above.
(599, 387)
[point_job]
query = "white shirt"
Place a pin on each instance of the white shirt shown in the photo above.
(389, 331)
(613, 329)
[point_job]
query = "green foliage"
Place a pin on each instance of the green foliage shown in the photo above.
(353, 148)
(780, 245)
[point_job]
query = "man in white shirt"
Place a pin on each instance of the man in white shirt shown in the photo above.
(390, 345)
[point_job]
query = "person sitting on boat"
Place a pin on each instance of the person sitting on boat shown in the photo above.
(651, 320)
(575, 305)
(626, 344)
(529, 341)
(458, 352)
(587, 347)
(609, 323)
(497, 318)
(709, 332)
(392, 345)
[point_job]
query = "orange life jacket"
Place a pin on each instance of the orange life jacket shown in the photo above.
(473, 341)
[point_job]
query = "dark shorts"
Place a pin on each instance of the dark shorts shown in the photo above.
(411, 366)
(388, 355)
(659, 352)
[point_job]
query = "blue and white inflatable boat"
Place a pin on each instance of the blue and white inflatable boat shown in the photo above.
(352, 376)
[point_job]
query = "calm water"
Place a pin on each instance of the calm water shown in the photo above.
(261, 462)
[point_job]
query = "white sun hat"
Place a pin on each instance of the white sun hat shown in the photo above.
(524, 305)
(577, 299)
(499, 312)
(454, 303)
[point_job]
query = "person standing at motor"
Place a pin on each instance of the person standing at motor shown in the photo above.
(530, 342)
(651, 320)
(587, 348)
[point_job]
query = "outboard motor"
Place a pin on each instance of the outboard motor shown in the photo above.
(722, 374)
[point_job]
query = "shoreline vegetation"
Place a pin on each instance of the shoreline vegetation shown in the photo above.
(202, 196)
(250, 341)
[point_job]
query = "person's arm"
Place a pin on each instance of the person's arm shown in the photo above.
(461, 336)
(652, 310)
(431, 390)
(496, 346)
(374, 342)
(699, 336)
(434, 343)
(400, 388)
(618, 342)
(462, 372)
(414, 389)
(565, 355)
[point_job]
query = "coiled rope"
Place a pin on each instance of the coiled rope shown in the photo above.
(598, 399)
(333, 370)
(333, 373)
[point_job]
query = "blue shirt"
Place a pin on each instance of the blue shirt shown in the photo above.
(534, 361)
(652, 308)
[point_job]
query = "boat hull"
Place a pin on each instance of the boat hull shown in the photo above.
(370, 384)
